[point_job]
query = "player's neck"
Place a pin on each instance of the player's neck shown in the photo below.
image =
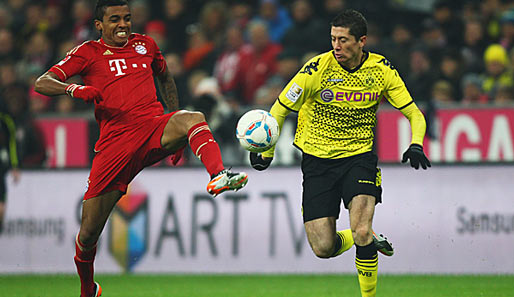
(110, 44)
(355, 62)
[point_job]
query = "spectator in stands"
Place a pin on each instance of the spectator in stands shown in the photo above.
(434, 39)
(213, 21)
(472, 90)
(56, 28)
(31, 151)
(17, 14)
(200, 53)
(450, 70)
(490, 12)
(33, 21)
(157, 30)
(177, 18)
(240, 14)
(507, 29)
(8, 74)
(331, 8)
(276, 17)
(497, 73)
(140, 16)
(288, 65)
(374, 38)
(442, 93)
(38, 55)
(474, 45)
(258, 61)
(304, 34)
(8, 52)
(82, 15)
(450, 23)
(504, 96)
(421, 76)
(228, 63)
(5, 17)
(398, 47)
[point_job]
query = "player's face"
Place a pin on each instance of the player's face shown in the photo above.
(347, 49)
(115, 26)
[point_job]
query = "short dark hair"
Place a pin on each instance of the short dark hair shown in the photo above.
(352, 20)
(101, 6)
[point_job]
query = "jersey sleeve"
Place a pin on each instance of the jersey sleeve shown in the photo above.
(417, 123)
(158, 63)
(74, 63)
(303, 85)
(395, 90)
(279, 112)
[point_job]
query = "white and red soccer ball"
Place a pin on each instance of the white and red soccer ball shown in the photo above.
(257, 131)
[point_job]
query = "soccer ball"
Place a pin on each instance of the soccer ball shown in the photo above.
(257, 131)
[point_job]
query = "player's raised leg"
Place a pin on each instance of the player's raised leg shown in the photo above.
(95, 212)
(325, 242)
(362, 208)
(345, 241)
(186, 126)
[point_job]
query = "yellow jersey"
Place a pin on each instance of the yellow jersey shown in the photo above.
(337, 107)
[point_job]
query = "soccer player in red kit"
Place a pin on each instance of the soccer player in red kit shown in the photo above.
(118, 73)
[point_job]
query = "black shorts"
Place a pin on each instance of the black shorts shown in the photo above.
(327, 181)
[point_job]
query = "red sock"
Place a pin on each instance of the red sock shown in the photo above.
(84, 262)
(205, 148)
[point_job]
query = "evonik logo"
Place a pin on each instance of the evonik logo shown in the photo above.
(328, 96)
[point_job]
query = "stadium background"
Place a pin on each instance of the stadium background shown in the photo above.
(456, 58)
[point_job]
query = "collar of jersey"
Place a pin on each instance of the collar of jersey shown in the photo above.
(364, 58)
(103, 42)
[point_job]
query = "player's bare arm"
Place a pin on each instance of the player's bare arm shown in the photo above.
(168, 90)
(49, 84)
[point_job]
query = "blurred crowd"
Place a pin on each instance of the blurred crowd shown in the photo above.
(229, 56)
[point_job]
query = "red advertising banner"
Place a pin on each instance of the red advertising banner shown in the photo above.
(463, 135)
(66, 142)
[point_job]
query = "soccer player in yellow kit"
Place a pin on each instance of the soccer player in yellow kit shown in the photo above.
(336, 95)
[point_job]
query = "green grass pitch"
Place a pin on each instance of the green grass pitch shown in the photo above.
(250, 285)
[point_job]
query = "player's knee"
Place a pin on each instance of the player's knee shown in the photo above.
(323, 250)
(361, 235)
(88, 237)
(187, 119)
(191, 118)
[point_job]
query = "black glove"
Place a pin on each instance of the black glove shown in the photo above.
(258, 163)
(417, 156)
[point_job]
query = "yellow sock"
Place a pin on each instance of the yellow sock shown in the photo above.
(367, 272)
(346, 241)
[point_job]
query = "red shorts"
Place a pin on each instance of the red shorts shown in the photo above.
(121, 159)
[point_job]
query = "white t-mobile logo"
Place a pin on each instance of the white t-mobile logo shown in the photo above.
(118, 65)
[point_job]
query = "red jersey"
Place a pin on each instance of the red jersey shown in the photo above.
(256, 67)
(124, 75)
